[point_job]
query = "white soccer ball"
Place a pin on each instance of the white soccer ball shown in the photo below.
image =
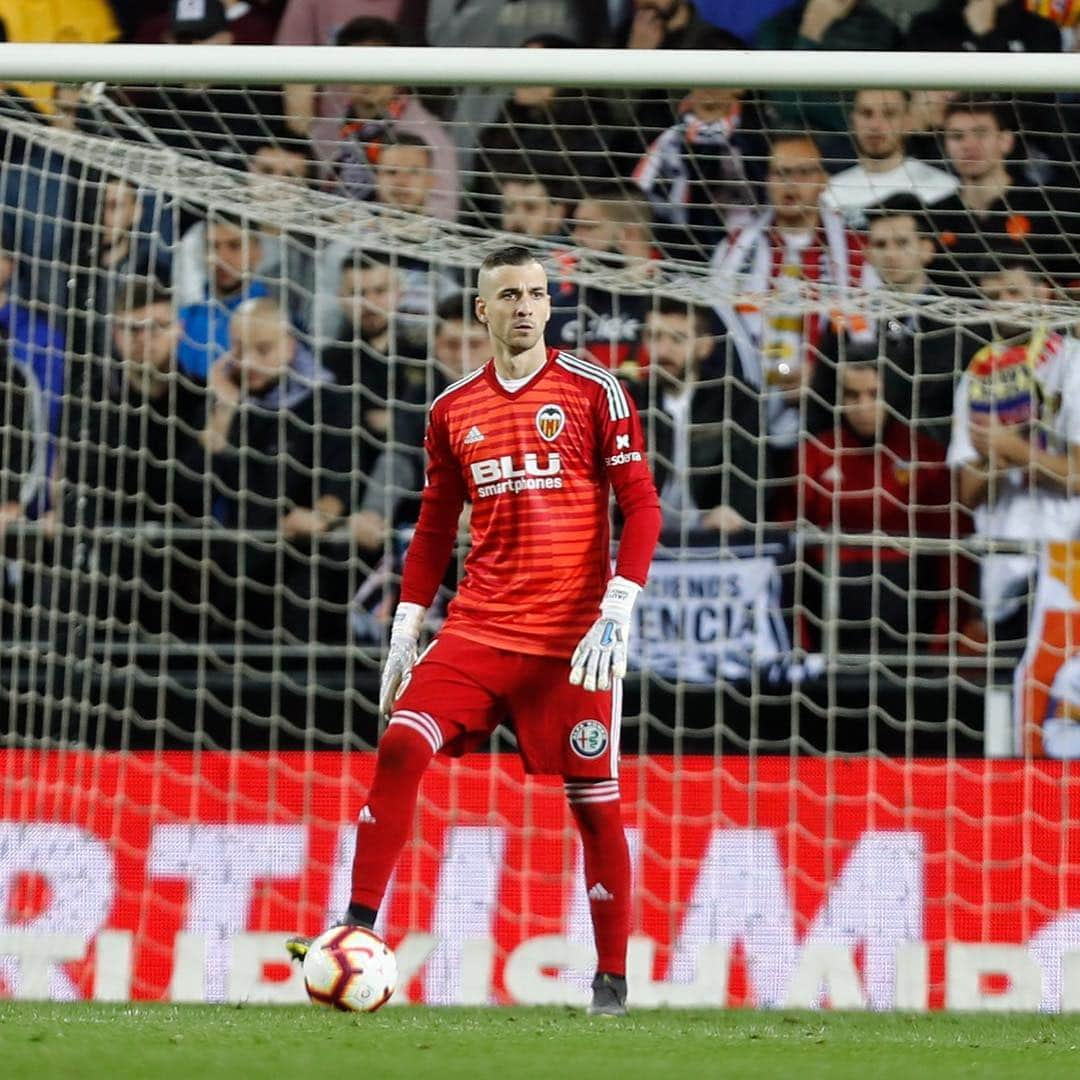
(351, 969)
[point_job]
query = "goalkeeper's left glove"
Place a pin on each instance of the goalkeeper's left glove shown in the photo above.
(601, 654)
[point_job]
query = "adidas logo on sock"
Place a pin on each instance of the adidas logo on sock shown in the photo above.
(366, 817)
(475, 435)
(598, 892)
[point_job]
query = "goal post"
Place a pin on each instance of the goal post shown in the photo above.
(804, 70)
(848, 726)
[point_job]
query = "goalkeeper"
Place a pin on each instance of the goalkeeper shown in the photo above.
(537, 634)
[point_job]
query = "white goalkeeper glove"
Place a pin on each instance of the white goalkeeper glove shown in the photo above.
(400, 657)
(601, 654)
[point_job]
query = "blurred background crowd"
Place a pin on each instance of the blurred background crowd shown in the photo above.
(242, 402)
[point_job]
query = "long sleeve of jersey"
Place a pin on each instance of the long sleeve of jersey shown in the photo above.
(440, 508)
(628, 470)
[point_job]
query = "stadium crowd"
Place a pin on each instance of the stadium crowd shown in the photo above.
(260, 393)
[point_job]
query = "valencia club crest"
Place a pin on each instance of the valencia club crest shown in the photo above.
(550, 421)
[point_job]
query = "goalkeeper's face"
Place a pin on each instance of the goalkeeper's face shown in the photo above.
(514, 305)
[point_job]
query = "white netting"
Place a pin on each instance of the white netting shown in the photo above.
(182, 574)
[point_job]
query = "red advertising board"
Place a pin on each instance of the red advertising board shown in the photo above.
(759, 858)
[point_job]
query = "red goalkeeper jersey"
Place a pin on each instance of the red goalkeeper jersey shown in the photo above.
(537, 464)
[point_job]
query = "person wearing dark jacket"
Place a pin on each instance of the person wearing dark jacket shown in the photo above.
(278, 440)
(701, 423)
(392, 494)
(925, 352)
(119, 245)
(982, 26)
(130, 457)
(1006, 26)
(35, 344)
(833, 25)
(611, 232)
(991, 211)
(704, 175)
(22, 481)
(370, 356)
(22, 465)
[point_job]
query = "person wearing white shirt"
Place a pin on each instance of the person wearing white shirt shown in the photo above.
(879, 123)
(1015, 445)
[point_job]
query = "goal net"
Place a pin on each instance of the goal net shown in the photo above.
(848, 322)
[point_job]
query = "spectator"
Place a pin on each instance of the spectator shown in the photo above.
(1016, 440)
(824, 24)
(989, 211)
(869, 473)
(488, 23)
(983, 26)
(34, 358)
(393, 492)
(24, 479)
(924, 354)
(544, 130)
(288, 259)
(233, 252)
(318, 22)
(347, 136)
(247, 24)
(1004, 26)
(613, 221)
(701, 422)
(495, 23)
(659, 24)
(403, 183)
(23, 473)
(879, 122)
(779, 263)
(644, 116)
(702, 175)
(610, 231)
(132, 458)
(277, 437)
(220, 122)
(531, 205)
(116, 250)
(926, 125)
(371, 356)
(404, 174)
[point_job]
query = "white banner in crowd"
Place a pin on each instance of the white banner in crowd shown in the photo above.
(707, 617)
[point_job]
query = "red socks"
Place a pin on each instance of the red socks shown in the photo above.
(595, 805)
(386, 818)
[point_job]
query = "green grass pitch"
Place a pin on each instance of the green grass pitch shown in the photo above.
(42, 1041)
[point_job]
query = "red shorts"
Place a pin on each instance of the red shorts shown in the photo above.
(468, 689)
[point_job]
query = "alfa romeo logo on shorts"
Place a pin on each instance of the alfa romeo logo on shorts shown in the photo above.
(589, 738)
(550, 420)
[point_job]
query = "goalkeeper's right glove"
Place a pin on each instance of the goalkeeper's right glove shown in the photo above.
(400, 657)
